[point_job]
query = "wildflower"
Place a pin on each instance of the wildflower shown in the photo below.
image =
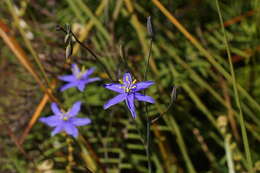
(65, 121)
(78, 78)
(128, 91)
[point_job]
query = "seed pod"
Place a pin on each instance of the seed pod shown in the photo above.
(67, 39)
(149, 27)
(174, 93)
(69, 50)
(68, 28)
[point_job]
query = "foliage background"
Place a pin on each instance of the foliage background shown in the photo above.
(200, 132)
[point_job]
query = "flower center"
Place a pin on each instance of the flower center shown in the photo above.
(65, 115)
(77, 73)
(128, 85)
(80, 74)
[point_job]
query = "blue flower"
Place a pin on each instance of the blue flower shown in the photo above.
(78, 78)
(65, 121)
(128, 90)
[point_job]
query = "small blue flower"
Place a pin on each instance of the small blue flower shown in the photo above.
(128, 91)
(65, 121)
(78, 78)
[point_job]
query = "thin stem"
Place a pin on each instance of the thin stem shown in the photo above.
(148, 144)
(168, 108)
(70, 154)
(148, 133)
(93, 154)
(148, 59)
(230, 162)
(237, 99)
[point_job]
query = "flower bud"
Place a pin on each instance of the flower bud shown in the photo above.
(149, 27)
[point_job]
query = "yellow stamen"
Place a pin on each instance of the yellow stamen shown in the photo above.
(65, 118)
(134, 81)
(126, 78)
(121, 81)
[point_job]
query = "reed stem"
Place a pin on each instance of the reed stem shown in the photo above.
(237, 99)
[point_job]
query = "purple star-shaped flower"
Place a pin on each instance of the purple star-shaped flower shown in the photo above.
(65, 121)
(128, 90)
(78, 78)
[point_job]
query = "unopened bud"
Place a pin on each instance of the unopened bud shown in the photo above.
(150, 27)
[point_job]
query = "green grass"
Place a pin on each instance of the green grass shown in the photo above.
(214, 65)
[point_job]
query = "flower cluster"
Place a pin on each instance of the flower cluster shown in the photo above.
(128, 89)
(67, 121)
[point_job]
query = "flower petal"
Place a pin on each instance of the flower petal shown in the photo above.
(93, 79)
(80, 121)
(131, 105)
(81, 86)
(55, 109)
(127, 78)
(144, 98)
(75, 109)
(115, 100)
(115, 87)
(71, 129)
(67, 78)
(143, 85)
(88, 72)
(58, 129)
(67, 86)
(51, 121)
(75, 70)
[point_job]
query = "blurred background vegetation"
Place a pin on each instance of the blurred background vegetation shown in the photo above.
(201, 132)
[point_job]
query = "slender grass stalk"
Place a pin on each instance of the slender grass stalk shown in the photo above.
(179, 138)
(205, 52)
(140, 30)
(85, 9)
(237, 99)
(36, 114)
(229, 155)
(148, 122)
(148, 59)
(94, 157)
(21, 56)
(70, 154)
(88, 26)
(27, 42)
(148, 144)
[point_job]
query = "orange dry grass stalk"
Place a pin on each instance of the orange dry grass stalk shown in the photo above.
(21, 56)
(23, 59)
(36, 115)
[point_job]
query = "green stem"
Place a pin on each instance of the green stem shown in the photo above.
(148, 133)
(148, 141)
(237, 99)
(148, 59)
(230, 162)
